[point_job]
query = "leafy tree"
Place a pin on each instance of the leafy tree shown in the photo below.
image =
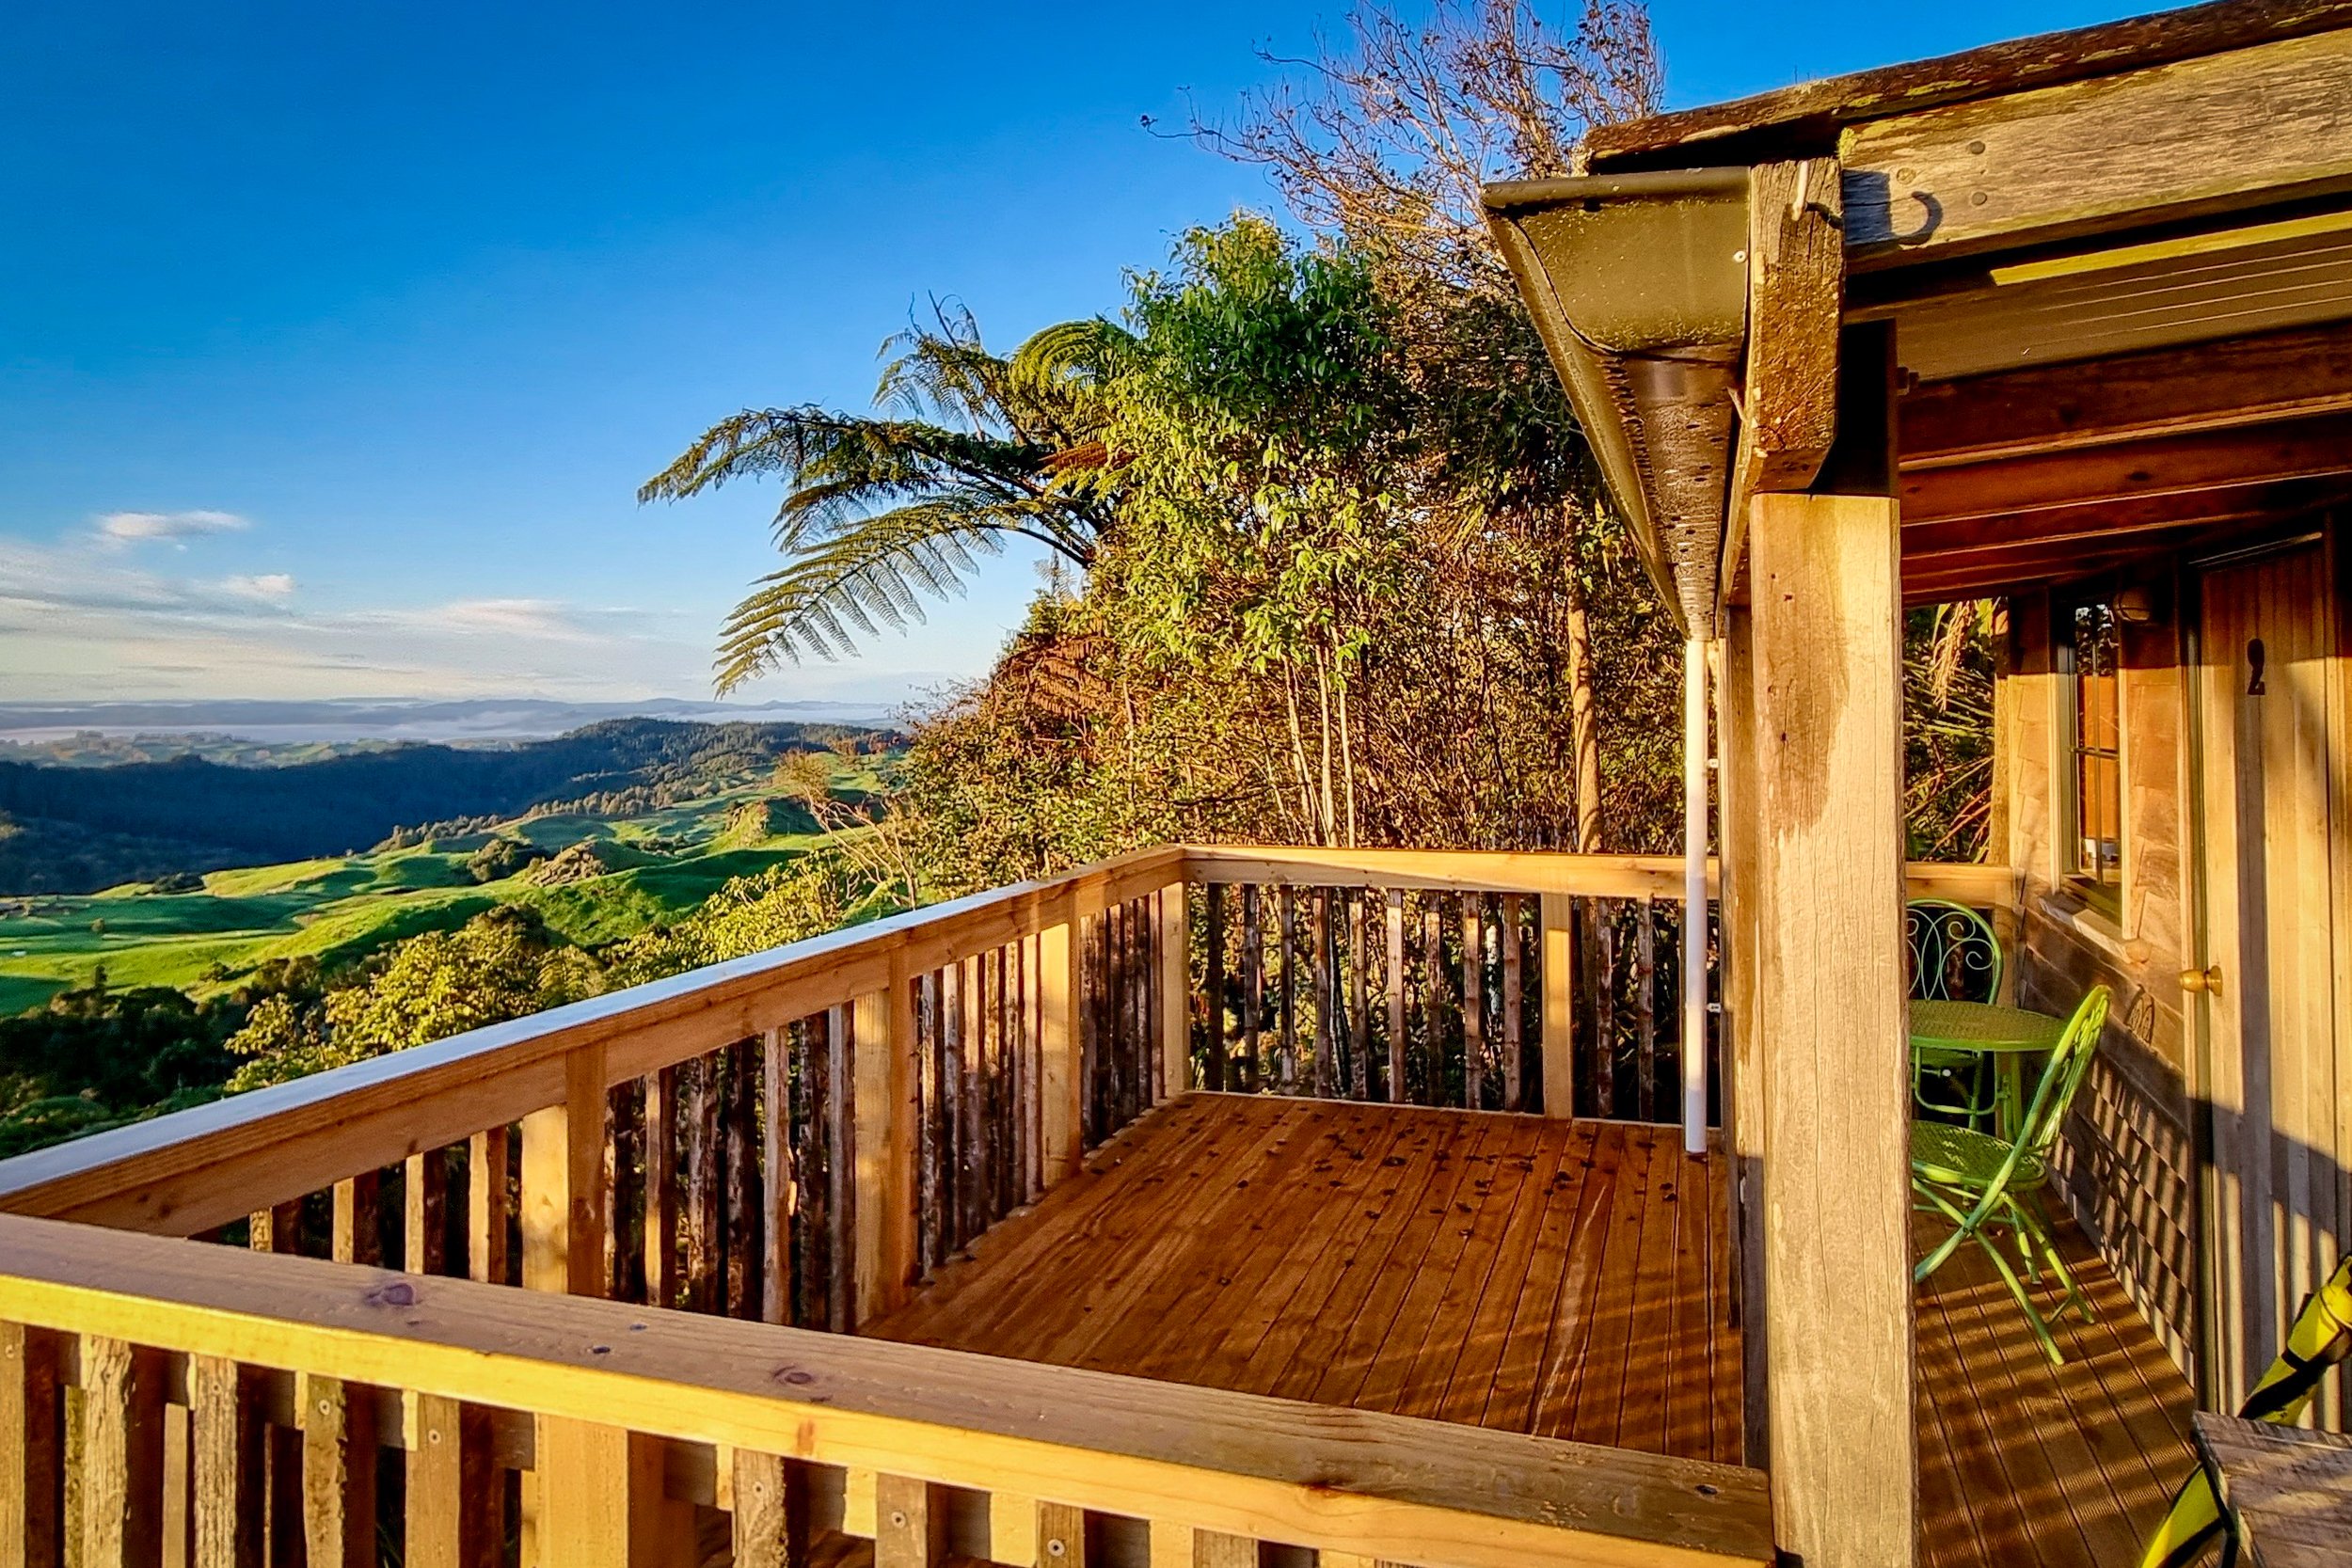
(881, 511)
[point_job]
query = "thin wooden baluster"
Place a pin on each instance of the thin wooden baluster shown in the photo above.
(1212, 986)
(1433, 999)
(771, 1520)
(660, 1207)
(1603, 972)
(338, 1472)
(1327, 1026)
(1556, 914)
(432, 1487)
(971, 1072)
(359, 1236)
(931, 1122)
(1514, 1017)
(489, 1206)
(704, 1192)
(1172, 989)
(780, 1177)
(1398, 1045)
(122, 1470)
(32, 1449)
(911, 1523)
(1645, 1010)
(1475, 1001)
(424, 1212)
(278, 1229)
(840, 1171)
(624, 1208)
(1359, 1002)
(1252, 967)
(740, 1127)
(1287, 997)
(1062, 1536)
(1215, 1549)
(230, 1465)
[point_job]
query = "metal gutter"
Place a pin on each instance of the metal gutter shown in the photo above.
(1639, 285)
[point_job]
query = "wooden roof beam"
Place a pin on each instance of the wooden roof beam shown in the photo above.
(2203, 135)
(2311, 448)
(2212, 385)
(2116, 519)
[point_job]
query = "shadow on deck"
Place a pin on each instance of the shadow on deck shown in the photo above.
(1564, 1279)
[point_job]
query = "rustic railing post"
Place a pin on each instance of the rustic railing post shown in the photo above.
(563, 1218)
(602, 1501)
(883, 1112)
(1175, 986)
(1557, 912)
(1060, 968)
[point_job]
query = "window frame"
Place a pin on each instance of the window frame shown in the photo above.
(2104, 893)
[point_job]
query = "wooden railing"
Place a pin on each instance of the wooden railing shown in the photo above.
(799, 1137)
(186, 1362)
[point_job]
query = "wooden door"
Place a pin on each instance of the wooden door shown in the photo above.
(2276, 1078)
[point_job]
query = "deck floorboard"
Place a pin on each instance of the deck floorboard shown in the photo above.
(1559, 1277)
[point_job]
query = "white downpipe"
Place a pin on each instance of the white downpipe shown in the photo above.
(1694, 896)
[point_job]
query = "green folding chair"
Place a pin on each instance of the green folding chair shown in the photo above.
(1983, 1184)
(1954, 957)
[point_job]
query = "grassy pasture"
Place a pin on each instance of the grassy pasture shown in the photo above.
(666, 862)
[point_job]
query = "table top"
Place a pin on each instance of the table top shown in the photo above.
(1982, 1026)
(2290, 1490)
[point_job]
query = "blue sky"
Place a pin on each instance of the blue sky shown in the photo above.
(334, 340)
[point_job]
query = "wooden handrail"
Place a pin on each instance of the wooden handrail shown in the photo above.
(213, 1164)
(1336, 1480)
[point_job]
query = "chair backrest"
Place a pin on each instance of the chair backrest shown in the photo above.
(1954, 955)
(2070, 1060)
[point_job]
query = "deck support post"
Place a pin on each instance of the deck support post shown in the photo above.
(1826, 652)
(1060, 961)
(1742, 1067)
(563, 1219)
(1174, 939)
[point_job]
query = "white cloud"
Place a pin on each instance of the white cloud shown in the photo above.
(262, 585)
(120, 529)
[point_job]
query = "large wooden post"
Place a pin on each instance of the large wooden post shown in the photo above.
(1828, 1004)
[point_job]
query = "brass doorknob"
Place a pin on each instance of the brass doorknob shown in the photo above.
(2206, 980)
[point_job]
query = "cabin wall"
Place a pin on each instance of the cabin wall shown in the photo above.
(2127, 1166)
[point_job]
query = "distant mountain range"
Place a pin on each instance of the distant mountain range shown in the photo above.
(77, 830)
(472, 720)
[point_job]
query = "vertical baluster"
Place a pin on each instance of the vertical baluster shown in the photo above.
(1557, 911)
(1212, 986)
(770, 1519)
(1603, 974)
(454, 1488)
(359, 1223)
(840, 1171)
(701, 1292)
(122, 1470)
(1394, 977)
(1326, 1030)
(623, 1211)
(779, 1173)
(279, 1229)
(1645, 1010)
(1432, 1000)
(229, 1464)
(1252, 965)
(1359, 1002)
(1287, 997)
(32, 1449)
(424, 1212)
(972, 1088)
(741, 1165)
(338, 1472)
(1172, 990)
(1474, 1000)
(662, 1187)
(1514, 1017)
(911, 1517)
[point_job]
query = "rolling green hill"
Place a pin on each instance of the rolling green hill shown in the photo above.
(662, 861)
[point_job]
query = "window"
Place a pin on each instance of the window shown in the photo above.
(2092, 648)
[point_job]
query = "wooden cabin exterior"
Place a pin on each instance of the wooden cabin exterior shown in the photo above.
(1276, 1204)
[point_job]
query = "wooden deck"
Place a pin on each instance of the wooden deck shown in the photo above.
(1568, 1278)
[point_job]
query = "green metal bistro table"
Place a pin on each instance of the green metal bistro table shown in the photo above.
(2010, 1037)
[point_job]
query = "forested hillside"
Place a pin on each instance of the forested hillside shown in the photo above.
(79, 830)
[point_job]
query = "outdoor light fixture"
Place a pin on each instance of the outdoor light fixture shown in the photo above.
(1639, 287)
